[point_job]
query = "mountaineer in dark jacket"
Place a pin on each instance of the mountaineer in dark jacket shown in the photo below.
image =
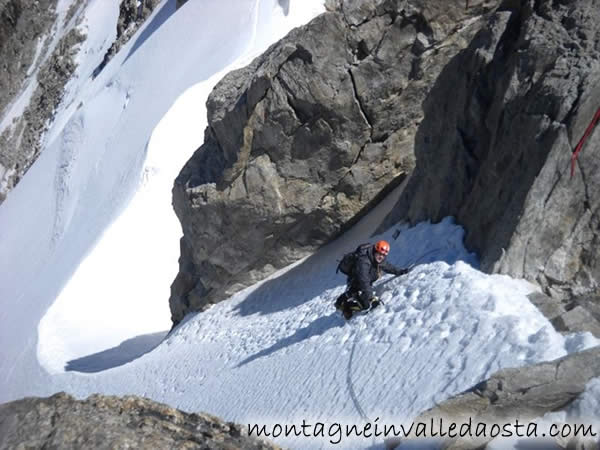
(367, 268)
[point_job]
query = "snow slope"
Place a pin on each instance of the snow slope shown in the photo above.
(279, 353)
(88, 248)
(112, 137)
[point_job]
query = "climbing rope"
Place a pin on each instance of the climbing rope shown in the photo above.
(361, 411)
(587, 133)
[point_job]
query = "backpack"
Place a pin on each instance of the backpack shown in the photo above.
(349, 259)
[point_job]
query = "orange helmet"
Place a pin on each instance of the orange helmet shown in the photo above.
(382, 247)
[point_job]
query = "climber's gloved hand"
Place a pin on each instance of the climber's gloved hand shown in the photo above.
(375, 302)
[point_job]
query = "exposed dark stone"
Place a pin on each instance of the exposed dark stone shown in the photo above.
(105, 422)
(20, 144)
(302, 141)
(24, 28)
(525, 394)
(495, 144)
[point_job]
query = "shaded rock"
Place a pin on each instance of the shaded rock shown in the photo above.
(576, 320)
(524, 394)
(548, 306)
(495, 144)
(307, 139)
(112, 422)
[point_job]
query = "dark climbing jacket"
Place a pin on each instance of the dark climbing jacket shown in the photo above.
(366, 271)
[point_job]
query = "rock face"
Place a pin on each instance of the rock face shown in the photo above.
(525, 394)
(23, 27)
(21, 143)
(495, 144)
(308, 138)
(103, 422)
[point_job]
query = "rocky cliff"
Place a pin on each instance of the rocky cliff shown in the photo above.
(105, 422)
(316, 130)
(495, 145)
(307, 138)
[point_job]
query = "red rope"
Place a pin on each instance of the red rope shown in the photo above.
(587, 133)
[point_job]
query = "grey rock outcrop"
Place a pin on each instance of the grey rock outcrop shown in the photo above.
(105, 422)
(495, 144)
(22, 24)
(578, 315)
(23, 27)
(525, 394)
(21, 143)
(307, 138)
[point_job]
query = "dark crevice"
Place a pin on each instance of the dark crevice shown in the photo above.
(344, 14)
(363, 113)
(362, 51)
(380, 139)
(420, 23)
(586, 202)
(416, 73)
(525, 390)
(245, 182)
(300, 53)
(359, 154)
(554, 185)
(359, 102)
(352, 25)
(574, 108)
(380, 43)
(302, 117)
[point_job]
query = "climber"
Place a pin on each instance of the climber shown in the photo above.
(363, 267)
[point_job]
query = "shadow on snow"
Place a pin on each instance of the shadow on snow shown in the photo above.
(125, 352)
(316, 328)
(298, 285)
(160, 18)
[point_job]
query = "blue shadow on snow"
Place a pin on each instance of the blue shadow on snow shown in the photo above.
(166, 11)
(125, 352)
(298, 285)
(316, 328)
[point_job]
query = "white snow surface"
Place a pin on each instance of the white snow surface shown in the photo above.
(89, 247)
